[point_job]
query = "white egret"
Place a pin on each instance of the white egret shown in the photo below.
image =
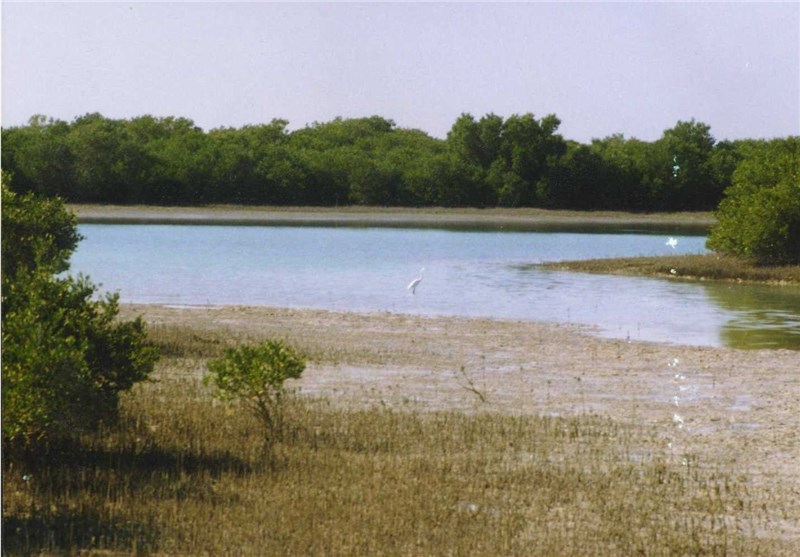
(412, 286)
(672, 242)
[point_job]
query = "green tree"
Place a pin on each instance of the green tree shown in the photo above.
(253, 165)
(398, 155)
(38, 233)
(327, 177)
(477, 144)
(759, 217)
(39, 157)
(509, 189)
(490, 132)
(341, 132)
(175, 162)
(465, 141)
(255, 375)
(529, 149)
(724, 160)
(110, 165)
(623, 176)
(233, 168)
(373, 182)
(66, 358)
(580, 180)
(444, 180)
(688, 149)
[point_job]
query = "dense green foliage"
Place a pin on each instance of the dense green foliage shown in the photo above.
(492, 161)
(37, 233)
(255, 376)
(760, 215)
(65, 358)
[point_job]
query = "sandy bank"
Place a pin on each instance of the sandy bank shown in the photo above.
(490, 219)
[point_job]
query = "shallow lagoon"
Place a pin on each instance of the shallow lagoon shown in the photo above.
(467, 273)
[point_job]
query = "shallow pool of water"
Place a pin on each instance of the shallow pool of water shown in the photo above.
(466, 273)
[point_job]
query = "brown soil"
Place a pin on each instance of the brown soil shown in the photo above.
(738, 409)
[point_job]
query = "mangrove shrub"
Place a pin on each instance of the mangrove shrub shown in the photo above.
(759, 218)
(66, 358)
(255, 376)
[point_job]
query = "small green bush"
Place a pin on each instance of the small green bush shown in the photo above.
(759, 218)
(255, 375)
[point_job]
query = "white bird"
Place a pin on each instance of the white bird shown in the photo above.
(672, 242)
(412, 286)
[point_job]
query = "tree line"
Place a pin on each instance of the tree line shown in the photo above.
(518, 161)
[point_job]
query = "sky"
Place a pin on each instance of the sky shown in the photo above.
(602, 68)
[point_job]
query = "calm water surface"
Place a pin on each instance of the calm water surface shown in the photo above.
(466, 273)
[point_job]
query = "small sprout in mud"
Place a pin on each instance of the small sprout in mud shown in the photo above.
(469, 384)
(255, 375)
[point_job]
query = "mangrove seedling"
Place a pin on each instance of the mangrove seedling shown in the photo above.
(255, 375)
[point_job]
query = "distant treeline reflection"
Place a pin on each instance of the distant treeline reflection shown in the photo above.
(519, 161)
(765, 316)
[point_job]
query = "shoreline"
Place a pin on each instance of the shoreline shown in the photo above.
(689, 267)
(525, 219)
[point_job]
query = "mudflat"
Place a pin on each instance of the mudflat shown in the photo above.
(494, 218)
(731, 408)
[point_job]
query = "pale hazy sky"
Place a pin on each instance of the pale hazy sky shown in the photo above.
(603, 68)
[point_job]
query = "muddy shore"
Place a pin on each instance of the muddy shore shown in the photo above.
(733, 408)
(474, 219)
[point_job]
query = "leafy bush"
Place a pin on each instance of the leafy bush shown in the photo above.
(37, 233)
(65, 357)
(255, 375)
(760, 215)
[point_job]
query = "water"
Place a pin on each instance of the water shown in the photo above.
(466, 273)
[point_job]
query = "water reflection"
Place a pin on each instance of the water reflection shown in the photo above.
(762, 316)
